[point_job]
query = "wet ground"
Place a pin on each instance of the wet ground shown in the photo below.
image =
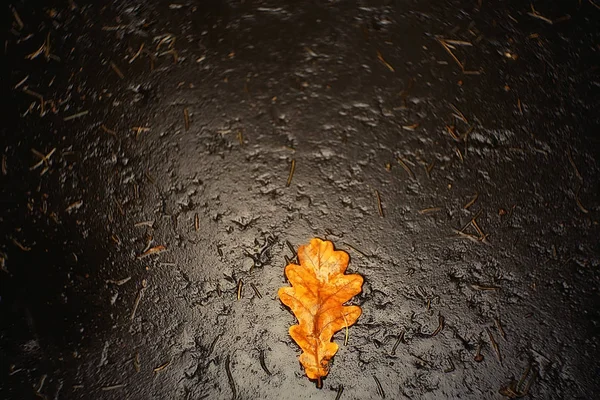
(158, 159)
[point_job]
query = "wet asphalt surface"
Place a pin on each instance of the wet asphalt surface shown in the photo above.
(172, 129)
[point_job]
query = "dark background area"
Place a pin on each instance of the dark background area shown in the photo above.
(133, 125)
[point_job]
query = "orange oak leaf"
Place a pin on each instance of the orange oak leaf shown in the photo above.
(317, 296)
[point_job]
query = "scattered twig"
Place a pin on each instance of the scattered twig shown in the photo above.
(356, 250)
(77, 115)
(382, 60)
(441, 320)
(113, 387)
(261, 358)
(494, 345)
(410, 127)
(572, 162)
(137, 54)
(451, 366)
(144, 223)
(485, 288)
(107, 130)
(429, 168)
(400, 339)
(515, 390)
(499, 327)
(339, 392)
(138, 130)
(581, 207)
(291, 174)
(39, 97)
(196, 222)
(537, 15)
(162, 366)
(186, 119)
(253, 286)
(74, 206)
(138, 298)
(153, 250)
(379, 206)
(21, 82)
(471, 202)
(380, 391)
(17, 18)
(430, 210)
(478, 356)
(136, 362)
(458, 114)
(230, 379)
(240, 286)
(117, 70)
(447, 48)
(44, 160)
(119, 282)
(406, 167)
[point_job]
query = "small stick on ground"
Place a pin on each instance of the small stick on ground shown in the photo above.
(451, 366)
(430, 210)
(570, 156)
(240, 286)
(17, 18)
(339, 392)
(119, 282)
(196, 222)
(117, 70)
(39, 97)
(537, 15)
(136, 362)
(186, 119)
(77, 115)
(485, 288)
(137, 54)
(459, 154)
(379, 207)
(289, 245)
(44, 159)
(519, 106)
(253, 286)
(410, 127)
(153, 250)
(382, 60)
(138, 298)
(478, 356)
(499, 327)
(380, 391)
(162, 366)
(356, 250)
(494, 345)
(581, 207)
(441, 320)
(291, 174)
(471, 202)
(406, 168)
(107, 130)
(113, 387)
(230, 379)
(262, 362)
(138, 130)
(458, 114)
(429, 169)
(400, 339)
